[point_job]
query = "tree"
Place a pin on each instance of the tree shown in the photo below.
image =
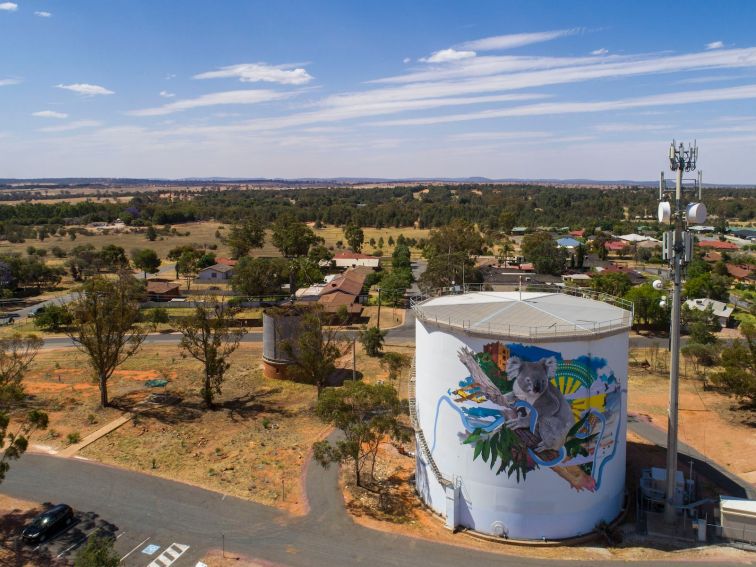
(292, 237)
(158, 316)
(209, 337)
(53, 318)
(372, 340)
(543, 251)
(647, 309)
(612, 283)
(506, 221)
(114, 258)
(84, 261)
(738, 362)
(580, 256)
(147, 260)
(151, 233)
(314, 350)
(98, 552)
(394, 363)
(354, 236)
(367, 414)
(259, 276)
(105, 314)
(187, 266)
(393, 286)
(16, 354)
(708, 285)
(450, 251)
(243, 237)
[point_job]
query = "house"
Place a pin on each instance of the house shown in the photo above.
(567, 242)
(162, 291)
(741, 272)
(717, 245)
(577, 233)
(352, 259)
(633, 238)
(719, 308)
(701, 229)
(634, 276)
(712, 256)
(615, 245)
(581, 280)
(344, 290)
(227, 261)
(519, 230)
(215, 273)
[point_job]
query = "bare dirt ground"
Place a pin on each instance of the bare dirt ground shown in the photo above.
(714, 424)
(253, 445)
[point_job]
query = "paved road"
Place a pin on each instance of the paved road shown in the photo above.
(62, 300)
(142, 510)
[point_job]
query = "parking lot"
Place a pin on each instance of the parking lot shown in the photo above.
(136, 549)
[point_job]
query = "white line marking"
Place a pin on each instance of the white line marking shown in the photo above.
(137, 547)
(170, 555)
(77, 544)
(119, 535)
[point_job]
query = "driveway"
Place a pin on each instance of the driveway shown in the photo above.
(179, 523)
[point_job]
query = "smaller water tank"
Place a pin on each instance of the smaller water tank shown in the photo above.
(280, 326)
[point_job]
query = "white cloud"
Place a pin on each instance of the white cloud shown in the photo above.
(260, 72)
(50, 114)
(213, 99)
(406, 60)
(76, 125)
(601, 51)
(446, 55)
(511, 41)
(86, 89)
(8, 82)
(9, 6)
(166, 94)
(43, 14)
(170, 76)
(613, 127)
(557, 108)
(715, 45)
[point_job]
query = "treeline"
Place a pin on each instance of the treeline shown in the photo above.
(426, 207)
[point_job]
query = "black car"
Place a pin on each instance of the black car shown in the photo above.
(48, 523)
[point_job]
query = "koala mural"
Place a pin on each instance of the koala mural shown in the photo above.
(532, 384)
(525, 407)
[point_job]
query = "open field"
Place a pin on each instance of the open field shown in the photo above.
(201, 234)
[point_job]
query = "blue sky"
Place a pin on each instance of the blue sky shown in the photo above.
(145, 88)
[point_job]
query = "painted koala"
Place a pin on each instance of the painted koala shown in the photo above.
(532, 383)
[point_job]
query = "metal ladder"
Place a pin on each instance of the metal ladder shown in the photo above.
(419, 432)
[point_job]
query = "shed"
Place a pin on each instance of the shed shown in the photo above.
(738, 519)
(352, 259)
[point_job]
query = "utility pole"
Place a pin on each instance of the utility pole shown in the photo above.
(678, 249)
(379, 310)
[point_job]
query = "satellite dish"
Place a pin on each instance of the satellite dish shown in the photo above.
(664, 212)
(696, 213)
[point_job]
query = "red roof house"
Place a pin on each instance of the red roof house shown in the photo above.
(718, 245)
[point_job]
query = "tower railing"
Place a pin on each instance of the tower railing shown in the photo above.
(421, 441)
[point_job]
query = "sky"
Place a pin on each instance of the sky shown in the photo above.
(500, 89)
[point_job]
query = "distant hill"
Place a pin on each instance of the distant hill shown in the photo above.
(124, 181)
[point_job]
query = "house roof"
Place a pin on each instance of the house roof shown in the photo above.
(218, 268)
(740, 271)
(719, 308)
(615, 245)
(718, 245)
(633, 237)
(567, 242)
(350, 282)
(333, 301)
(226, 261)
(712, 256)
(161, 287)
(577, 233)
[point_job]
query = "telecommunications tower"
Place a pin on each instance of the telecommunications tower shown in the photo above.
(675, 212)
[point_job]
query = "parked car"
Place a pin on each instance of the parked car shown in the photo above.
(48, 523)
